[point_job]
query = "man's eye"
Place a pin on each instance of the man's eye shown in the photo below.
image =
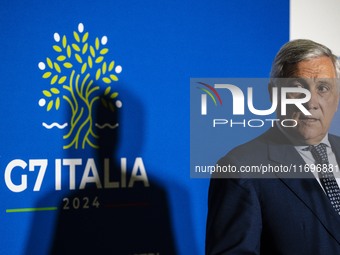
(323, 88)
(296, 85)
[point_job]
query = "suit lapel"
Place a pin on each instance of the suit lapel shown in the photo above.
(304, 185)
(335, 143)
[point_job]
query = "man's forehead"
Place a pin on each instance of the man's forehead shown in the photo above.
(311, 80)
(296, 81)
(320, 67)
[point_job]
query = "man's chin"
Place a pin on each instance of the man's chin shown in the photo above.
(309, 137)
(308, 132)
(308, 122)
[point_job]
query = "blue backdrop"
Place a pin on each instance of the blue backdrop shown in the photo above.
(74, 206)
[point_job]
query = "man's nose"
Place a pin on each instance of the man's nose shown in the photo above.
(313, 103)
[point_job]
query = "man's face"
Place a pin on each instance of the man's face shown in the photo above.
(316, 75)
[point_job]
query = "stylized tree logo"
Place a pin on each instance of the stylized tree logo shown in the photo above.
(77, 69)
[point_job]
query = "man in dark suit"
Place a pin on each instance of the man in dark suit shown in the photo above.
(286, 214)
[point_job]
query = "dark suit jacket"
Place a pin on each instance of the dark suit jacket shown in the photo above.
(271, 216)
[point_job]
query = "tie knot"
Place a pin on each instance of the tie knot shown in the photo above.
(319, 153)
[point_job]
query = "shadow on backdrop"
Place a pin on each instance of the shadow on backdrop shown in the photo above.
(128, 214)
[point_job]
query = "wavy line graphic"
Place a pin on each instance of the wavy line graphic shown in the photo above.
(54, 124)
(211, 95)
(213, 90)
(107, 125)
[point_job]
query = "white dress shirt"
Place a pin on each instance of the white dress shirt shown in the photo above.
(307, 156)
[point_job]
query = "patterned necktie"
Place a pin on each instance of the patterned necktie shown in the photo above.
(327, 179)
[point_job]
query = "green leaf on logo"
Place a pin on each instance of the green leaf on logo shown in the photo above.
(114, 95)
(55, 91)
(57, 67)
(83, 68)
(98, 74)
(106, 80)
(89, 60)
(97, 43)
(84, 48)
(86, 35)
(104, 102)
(112, 108)
(68, 65)
(78, 58)
(57, 103)
(46, 75)
(61, 58)
(76, 36)
(93, 53)
(54, 79)
(104, 68)
(62, 80)
(68, 51)
(114, 77)
(99, 59)
(47, 93)
(107, 91)
(75, 47)
(50, 105)
(111, 65)
(104, 51)
(64, 42)
(49, 63)
(57, 48)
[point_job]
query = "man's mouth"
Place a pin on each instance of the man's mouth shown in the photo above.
(308, 119)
